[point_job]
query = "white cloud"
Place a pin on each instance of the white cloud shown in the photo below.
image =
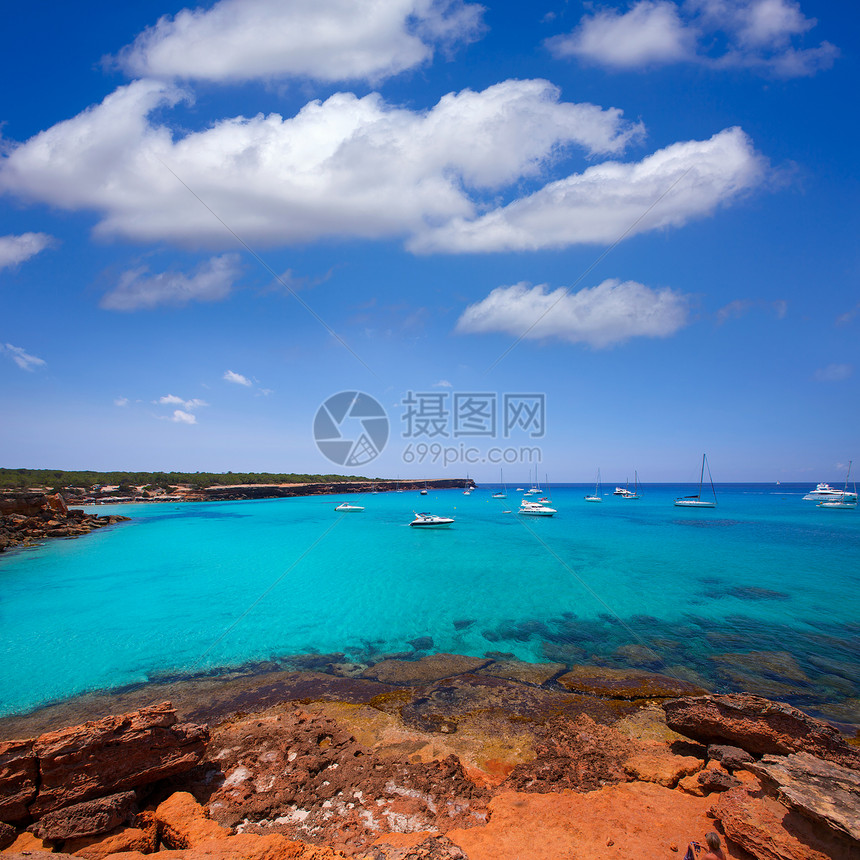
(327, 40)
(442, 383)
(183, 417)
(121, 401)
(23, 359)
(229, 376)
(848, 316)
(755, 34)
(834, 372)
(347, 166)
(741, 307)
(650, 33)
(610, 200)
(137, 288)
(601, 316)
(18, 249)
(173, 400)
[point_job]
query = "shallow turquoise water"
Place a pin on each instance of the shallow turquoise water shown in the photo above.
(193, 587)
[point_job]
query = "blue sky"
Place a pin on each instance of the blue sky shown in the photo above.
(213, 218)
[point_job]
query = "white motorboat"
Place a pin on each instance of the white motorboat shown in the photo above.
(535, 509)
(596, 495)
(847, 501)
(825, 493)
(697, 501)
(347, 508)
(430, 521)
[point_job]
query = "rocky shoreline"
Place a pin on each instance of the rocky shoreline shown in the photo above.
(440, 758)
(31, 519)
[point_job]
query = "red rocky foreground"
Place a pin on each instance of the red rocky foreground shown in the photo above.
(384, 779)
(32, 519)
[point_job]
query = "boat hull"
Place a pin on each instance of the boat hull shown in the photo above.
(693, 503)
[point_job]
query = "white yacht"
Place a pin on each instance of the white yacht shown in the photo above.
(535, 509)
(431, 521)
(846, 500)
(825, 493)
(346, 507)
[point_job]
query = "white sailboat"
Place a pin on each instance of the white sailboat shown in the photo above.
(595, 497)
(848, 502)
(503, 493)
(697, 501)
(634, 493)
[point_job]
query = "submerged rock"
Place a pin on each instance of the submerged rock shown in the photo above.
(624, 683)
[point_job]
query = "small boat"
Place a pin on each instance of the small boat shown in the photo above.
(467, 487)
(346, 507)
(697, 501)
(430, 521)
(596, 496)
(502, 494)
(535, 509)
(424, 491)
(634, 493)
(847, 501)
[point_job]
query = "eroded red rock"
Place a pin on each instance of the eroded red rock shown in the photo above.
(768, 830)
(305, 777)
(18, 772)
(113, 754)
(99, 815)
(758, 726)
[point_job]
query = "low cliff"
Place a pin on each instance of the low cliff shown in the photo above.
(32, 518)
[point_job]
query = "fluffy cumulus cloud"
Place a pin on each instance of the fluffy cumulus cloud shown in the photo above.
(347, 166)
(237, 378)
(612, 200)
(23, 359)
(757, 34)
(602, 316)
(649, 33)
(138, 288)
(18, 249)
(358, 167)
(327, 40)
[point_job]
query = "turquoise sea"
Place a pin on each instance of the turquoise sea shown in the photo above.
(758, 594)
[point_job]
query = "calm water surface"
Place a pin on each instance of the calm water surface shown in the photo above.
(194, 587)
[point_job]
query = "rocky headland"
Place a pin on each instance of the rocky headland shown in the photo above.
(33, 518)
(438, 758)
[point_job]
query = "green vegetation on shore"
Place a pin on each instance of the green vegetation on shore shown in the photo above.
(25, 479)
